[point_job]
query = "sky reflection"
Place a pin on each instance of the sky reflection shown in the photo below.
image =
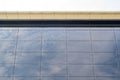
(59, 53)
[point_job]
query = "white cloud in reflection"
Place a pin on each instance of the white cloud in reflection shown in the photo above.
(56, 69)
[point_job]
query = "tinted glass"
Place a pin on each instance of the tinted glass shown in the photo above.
(59, 53)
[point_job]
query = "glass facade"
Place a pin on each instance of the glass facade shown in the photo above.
(63, 53)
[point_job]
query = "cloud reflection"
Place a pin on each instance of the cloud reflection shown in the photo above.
(46, 54)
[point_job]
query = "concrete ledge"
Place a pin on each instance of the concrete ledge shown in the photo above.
(59, 15)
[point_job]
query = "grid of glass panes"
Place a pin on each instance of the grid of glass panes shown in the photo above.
(59, 53)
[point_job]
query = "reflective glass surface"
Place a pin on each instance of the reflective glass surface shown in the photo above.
(59, 53)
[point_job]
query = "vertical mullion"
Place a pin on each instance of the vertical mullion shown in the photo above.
(42, 42)
(66, 52)
(15, 54)
(116, 53)
(41, 55)
(92, 54)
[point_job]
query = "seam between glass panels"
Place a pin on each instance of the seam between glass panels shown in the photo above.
(15, 53)
(57, 76)
(66, 52)
(40, 56)
(59, 40)
(92, 55)
(117, 55)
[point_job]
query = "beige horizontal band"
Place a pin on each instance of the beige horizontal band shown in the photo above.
(59, 15)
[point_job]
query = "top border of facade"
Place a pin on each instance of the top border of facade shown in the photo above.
(59, 15)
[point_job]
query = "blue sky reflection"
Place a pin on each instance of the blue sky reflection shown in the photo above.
(55, 53)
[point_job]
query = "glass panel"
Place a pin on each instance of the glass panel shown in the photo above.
(29, 46)
(105, 58)
(56, 46)
(8, 35)
(80, 70)
(54, 35)
(27, 70)
(79, 58)
(7, 57)
(106, 70)
(98, 35)
(7, 45)
(28, 58)
(29, 35)
(6, 69)
(79, 46)
(104, 46)
(53, 70)
(53, 58)
(78, 35)
(107, 78)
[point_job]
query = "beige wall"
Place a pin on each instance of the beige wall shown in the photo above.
(59, 15)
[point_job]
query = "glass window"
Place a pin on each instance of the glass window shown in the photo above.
(6, 69)
(29, 46)
(27, 70)
(28, 58)
(53, 70)
(106, 70)
(79, 46)
(105, 58)
(104, 46)
(98, 35)
(29, 35)
(80, 70)
(53, 58)
(54, 35)
(7, 45)
(56, 46)
(78, 35)
(79, 58)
